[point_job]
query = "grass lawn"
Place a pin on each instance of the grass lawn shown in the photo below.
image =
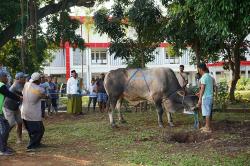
(63, 100)
(89, 140)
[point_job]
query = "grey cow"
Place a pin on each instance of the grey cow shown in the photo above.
(158, 85)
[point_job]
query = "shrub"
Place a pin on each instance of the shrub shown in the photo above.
(221, 99)
(243, 84)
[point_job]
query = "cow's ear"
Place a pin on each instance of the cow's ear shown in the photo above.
(181, 93)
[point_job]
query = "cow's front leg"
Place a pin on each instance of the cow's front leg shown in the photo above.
(170, 119)
(160, 113)
(120, 115)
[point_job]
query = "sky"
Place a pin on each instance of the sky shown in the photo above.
(83, 11)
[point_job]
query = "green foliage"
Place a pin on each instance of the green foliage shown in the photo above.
(171, 52)
(112, 26)
(226, 14)
(61, 28)
(243, 84)
(8, 12)
(242, 96)
(221, 100)
(10, 55)
(141, 16)
(183, 31)
(214, 29)
(220, 25)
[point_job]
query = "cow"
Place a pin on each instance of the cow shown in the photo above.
(157, 85)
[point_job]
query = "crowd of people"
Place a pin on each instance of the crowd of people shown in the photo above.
(96, 93)
(23, 103)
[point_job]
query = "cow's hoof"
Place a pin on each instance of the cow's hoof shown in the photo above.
(171, 124)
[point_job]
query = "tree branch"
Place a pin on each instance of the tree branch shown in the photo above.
(12, 30)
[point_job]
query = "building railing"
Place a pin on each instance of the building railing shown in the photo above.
(160, 59)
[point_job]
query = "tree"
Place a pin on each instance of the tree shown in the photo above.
(229, 22)
(20, 22)
(10, 19)
(10, 55)
(213, 29)
(183, 31)
(143, 18)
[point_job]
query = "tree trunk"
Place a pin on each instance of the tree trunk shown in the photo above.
(197, 50)
(236, 71)
(142, 61)
(23, 40)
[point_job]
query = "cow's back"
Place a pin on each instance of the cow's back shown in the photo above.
(152, 83)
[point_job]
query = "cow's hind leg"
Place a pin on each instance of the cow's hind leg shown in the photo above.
(110, 108)
(160, 113)
(120, 114)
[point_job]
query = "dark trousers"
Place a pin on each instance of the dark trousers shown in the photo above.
(53, 102)
(94, 99)
(43, 107)
(35, 130)
(4, 133)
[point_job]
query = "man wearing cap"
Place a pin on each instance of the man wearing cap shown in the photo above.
(5, 69)
(31, 111)
(4, 125)
(74, 105)
(11, 107)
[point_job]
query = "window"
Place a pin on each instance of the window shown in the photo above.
(242, 73)
(218, 73)
(171, 59)
(77, 57)
(99, 56)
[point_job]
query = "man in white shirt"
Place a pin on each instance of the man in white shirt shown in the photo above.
(74, 105)
(182, 77)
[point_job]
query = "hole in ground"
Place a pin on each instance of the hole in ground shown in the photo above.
(188, 137)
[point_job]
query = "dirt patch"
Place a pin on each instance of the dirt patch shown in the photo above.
(188, 137)
(232, 126)
(60, 117)
(228, 138)
(34, 159)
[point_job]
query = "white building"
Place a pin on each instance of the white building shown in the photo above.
(95, 59)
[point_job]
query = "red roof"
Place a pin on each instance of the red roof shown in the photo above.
(242, 63)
